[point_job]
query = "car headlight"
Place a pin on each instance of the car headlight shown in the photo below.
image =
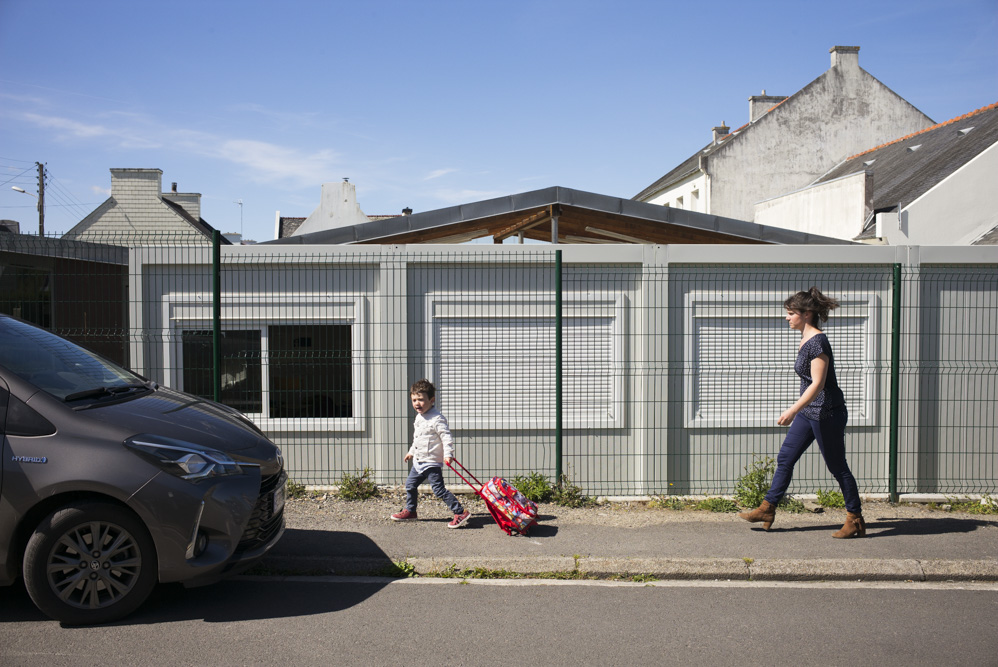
(183, 459)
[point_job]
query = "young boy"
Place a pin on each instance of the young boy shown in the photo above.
(432, 445)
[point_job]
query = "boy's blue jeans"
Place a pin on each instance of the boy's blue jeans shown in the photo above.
(436, 476)
(830, 434)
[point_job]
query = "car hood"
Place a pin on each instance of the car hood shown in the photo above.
(183, 417)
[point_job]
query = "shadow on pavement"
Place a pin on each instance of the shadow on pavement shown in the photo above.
(942, 526)
(244, 600)
(891, 527)
(249, 600)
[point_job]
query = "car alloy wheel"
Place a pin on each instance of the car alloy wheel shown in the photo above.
(89, 563)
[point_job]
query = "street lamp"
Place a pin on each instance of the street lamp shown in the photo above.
(41, 210)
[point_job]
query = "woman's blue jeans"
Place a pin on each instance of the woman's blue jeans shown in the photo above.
(830, 434)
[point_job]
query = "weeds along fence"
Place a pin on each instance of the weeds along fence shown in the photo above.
(635, 370)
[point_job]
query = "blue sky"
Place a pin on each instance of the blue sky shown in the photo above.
(427, 103)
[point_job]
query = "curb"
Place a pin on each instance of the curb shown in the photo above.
(661, 568)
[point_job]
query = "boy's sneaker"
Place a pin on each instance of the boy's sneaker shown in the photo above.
(459, 519)
(404, 515)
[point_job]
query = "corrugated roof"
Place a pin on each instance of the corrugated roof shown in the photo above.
(908, 167)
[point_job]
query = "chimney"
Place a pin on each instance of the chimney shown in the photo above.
(174, 187)
(407, 211)
(720, 132)
(758, 105)
(845, 56)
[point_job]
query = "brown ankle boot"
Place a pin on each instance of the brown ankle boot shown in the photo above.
(853, 527)
(766, 512)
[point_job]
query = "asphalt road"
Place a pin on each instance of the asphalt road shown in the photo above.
(314, 621)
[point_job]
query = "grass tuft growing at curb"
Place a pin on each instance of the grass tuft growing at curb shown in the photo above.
(987, 505)
(358, 487)
(751, 488)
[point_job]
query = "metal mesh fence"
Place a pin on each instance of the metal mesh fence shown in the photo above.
(670, 379)
(949, 380)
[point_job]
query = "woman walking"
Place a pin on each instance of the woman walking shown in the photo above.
(819, 414)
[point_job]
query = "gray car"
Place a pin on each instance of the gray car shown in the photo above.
(111, 483)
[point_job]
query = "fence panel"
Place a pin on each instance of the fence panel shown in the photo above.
(673, 374)
(949, 368)
(730, 372)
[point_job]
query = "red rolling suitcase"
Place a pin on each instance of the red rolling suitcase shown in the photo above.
(510, 508)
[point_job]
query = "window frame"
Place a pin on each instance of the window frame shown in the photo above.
(496, 306)
(258, 312)
(707, 305)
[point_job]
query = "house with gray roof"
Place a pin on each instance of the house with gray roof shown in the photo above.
(139, 213)
(934, 187)
(788, 142)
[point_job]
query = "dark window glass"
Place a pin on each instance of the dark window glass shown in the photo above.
(241, 368)
(25, 293)
(311, 371)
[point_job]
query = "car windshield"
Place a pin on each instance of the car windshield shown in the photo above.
(58, 366)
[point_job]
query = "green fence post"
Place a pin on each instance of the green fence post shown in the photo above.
(558, 471)
(895, 381)
(216, 313)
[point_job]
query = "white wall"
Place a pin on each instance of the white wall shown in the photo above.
(685, 189)
(337, 208)
(841, 113)
(837, 209)
(958, 210)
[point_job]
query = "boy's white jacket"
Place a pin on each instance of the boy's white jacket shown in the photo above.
(431, 438)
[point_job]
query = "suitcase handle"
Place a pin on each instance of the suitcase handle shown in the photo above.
(468, 473)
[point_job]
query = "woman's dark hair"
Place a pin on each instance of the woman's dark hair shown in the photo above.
(811, 301)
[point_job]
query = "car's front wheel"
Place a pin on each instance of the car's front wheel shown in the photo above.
(89, 563)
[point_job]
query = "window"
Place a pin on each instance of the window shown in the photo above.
(308, 370)
(481, 352)
(679, 202)
(241, 368)
(295, 367)
(739, 358)
(25, 292)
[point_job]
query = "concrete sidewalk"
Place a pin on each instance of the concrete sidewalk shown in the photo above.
(920, 546)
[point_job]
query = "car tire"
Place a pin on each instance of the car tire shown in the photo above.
(90, 563)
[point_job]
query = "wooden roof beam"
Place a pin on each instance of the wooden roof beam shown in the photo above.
(529, 222)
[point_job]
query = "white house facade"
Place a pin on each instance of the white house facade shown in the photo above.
(789, 142)
(934, 187)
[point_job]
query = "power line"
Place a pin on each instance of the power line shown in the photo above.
(63, 194)
(18, 176)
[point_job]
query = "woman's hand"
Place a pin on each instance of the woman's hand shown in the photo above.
(407, 457)
(787, 418)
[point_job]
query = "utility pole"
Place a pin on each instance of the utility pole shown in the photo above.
(41, 200)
